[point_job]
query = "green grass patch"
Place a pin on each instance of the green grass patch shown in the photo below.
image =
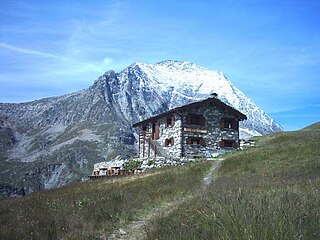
(283, 152)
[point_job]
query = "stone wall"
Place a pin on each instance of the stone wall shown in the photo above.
(211, 132)
(174, 132)
(214, 135)
(171, 132)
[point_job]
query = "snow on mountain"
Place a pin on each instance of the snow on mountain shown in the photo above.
(174, 83)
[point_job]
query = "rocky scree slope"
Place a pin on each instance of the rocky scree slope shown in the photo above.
(50, 142)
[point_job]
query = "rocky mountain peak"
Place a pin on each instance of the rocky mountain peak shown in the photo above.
(175, 83)
(179, 65)
(53, 141)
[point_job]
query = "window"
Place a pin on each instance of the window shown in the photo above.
(229, 123)
(144, 128)
(195, 119)
(228, 144)
(170, 121)
(169, 142)
(198, 141)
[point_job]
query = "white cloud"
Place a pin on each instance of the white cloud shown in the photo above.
(31, 52)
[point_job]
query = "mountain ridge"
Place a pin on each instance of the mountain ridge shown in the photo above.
(56, 140)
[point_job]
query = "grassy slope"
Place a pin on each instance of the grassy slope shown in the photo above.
(91, 210)
(271, 191)
(267, 192)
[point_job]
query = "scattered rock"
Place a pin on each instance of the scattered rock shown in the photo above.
(122, 231)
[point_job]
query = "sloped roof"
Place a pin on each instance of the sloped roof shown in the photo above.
(207, 101)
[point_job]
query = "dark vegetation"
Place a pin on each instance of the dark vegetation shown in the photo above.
(270, 191)
(132, 165)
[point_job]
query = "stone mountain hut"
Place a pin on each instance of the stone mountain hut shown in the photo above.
(201, 129)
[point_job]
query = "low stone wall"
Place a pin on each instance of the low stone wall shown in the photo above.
(247, 143)
(159, 162)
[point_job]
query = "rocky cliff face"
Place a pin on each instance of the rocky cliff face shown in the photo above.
(54, 141)
(147, 89)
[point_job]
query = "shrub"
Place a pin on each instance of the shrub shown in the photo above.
(131, 165)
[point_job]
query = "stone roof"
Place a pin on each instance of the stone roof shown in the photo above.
(212, 100)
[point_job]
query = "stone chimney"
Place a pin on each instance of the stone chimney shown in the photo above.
(213, 95)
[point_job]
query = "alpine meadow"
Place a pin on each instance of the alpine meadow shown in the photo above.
(269, 191)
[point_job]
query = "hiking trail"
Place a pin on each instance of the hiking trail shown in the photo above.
(135, 230)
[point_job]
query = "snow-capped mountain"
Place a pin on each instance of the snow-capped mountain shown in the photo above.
(154, 88)
(54, 141)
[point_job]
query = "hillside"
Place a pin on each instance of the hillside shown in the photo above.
(91, 210)
(51, 142)
(270, 191)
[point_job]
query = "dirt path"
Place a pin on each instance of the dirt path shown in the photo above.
(135, 229)
(211, 175)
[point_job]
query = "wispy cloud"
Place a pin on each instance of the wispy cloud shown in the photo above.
(77, 66)
(88, 46)
(31, 52)
(290, 109)
(102, 33)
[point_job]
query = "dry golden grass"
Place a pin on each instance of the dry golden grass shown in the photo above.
(91, 210)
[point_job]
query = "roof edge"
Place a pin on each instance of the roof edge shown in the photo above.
(218, 102)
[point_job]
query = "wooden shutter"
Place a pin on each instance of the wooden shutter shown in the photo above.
(157, 131)
(202, 142)
(222, 123)
(235, 124)
(221, 143)
(234, 144)
(188, 140)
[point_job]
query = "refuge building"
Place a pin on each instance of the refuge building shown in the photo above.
(201, 129)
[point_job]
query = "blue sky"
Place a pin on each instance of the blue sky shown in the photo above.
(269, 49)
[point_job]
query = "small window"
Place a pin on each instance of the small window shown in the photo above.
(195, 119)
(170, 121)
(169, 142)
(228, 144)
(195, 141)
(229, 123)
(144, 128)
